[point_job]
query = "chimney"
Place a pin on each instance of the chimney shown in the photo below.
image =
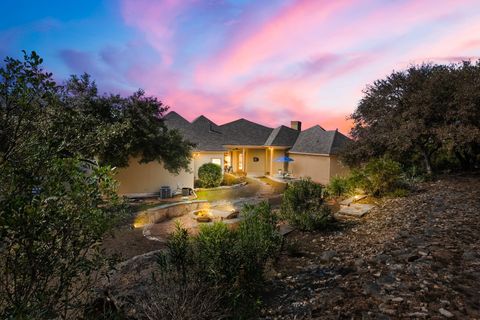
(297, 125)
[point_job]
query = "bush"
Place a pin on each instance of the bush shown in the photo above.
(230, 179)
(229, 263)
(303, 206)
(210, 175)
(50, 253)
(338, 187)
(382, 176)
(257, 240)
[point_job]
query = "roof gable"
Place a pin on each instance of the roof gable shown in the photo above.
(244, 132)
(318, 141)
(282, 136)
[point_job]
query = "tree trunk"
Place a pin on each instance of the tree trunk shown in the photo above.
(426, 158)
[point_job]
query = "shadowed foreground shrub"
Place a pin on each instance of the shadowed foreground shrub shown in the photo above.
(218, 272)
(303, 206)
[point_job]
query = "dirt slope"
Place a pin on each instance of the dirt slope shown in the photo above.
(413, 257)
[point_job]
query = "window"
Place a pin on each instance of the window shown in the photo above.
(217, 161)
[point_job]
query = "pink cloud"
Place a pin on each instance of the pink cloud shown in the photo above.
(307, 61)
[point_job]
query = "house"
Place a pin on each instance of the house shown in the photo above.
(241, 146)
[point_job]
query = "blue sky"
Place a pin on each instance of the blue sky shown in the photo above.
(269, 61)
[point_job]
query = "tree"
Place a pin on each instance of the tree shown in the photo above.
(56, 202)
(413, 116)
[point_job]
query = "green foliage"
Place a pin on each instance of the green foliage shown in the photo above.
(51, 240)
(338, 186)
(231, 262)
(56, 202)
(230, 179)
(210, 175)
(257, 240)
(427, 116)
(303, 206)
(215, 246)
(382, 176)
(378, 177)
(73, 119)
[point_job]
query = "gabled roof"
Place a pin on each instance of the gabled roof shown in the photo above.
(318, 141)
(209, 136)
(244, 132)
(282, 136)
(176, 121)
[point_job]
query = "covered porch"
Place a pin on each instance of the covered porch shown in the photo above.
(255, 161)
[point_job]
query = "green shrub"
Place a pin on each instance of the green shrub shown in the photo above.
(230, 262)
(230, 179)
(257, 240)
(338, 187)
(303, 206)
(382, 176)
(215, 246)
(210, 175)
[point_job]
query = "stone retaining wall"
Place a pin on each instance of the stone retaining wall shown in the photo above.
(168, 211)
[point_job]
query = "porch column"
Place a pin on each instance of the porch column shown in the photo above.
(244, 160)
(266, 157)
(271, 162)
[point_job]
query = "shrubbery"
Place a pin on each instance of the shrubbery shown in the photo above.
(210, 175)
(230, 179)
(378, 177)
(226, 266)
(303, 206)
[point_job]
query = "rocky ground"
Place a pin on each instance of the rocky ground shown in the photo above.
(412, 257)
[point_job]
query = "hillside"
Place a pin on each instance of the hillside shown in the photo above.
(412, 257)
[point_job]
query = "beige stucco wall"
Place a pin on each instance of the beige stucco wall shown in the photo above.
(277, 153)
(255, 168)
(200, 158)
(149, 178)
(316, 167)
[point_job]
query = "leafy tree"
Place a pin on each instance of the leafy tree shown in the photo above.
(56, 202)
(415, 116)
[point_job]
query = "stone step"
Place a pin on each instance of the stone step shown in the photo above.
(357, 210)
(351, 200)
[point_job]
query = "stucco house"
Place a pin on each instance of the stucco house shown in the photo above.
(241, 146)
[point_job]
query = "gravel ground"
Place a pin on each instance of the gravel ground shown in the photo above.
(412, 257)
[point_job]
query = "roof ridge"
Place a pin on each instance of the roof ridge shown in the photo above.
(245, 120)
(333, 140)
(174, 113)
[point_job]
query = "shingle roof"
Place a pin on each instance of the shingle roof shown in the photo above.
(318, 141)
(209, 136)
(244, 132)
(282, 136)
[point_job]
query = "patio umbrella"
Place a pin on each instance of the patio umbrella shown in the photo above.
(284, 159)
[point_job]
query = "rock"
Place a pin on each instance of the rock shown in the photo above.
(397, 299)
(445, 313)
(418, 315)
(328, 255)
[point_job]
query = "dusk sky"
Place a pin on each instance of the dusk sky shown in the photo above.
(268, 61)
